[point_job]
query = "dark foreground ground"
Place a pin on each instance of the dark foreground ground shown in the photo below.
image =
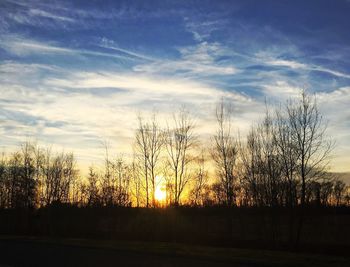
(325, 230)
(26, 251)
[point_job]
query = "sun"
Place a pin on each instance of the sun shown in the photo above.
(160, 192)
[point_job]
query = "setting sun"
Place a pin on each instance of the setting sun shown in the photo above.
(160, 193)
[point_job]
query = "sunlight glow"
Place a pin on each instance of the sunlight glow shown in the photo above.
(160, 193)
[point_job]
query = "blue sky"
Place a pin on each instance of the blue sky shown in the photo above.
(74, 74)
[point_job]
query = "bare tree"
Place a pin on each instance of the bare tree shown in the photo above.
(200, 180)
(308, 131)
(339, 190)
(122, 173)
(136, 182)
(19, 178)
(93, 188)
(59, 173)
(270, 164)
(250, 177)
(262, 171)
(142, 150)
(155, 142)
(29, 175)
(312, 148)
(225, 151)
(148, 145)
(288, 155)
(179, 141)
(47, 177)
(4, 183)
(107, 186)
(219, 193)
(39, 164)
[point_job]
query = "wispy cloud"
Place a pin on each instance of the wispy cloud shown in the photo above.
(275, 60)
(334, 106)
(45, 14)
(34, 14)
(110, 44)
(281, 90)
(203, 29)
(67, 107)
(287, 63)
(22, 47)
(201, 59)
(147, 85)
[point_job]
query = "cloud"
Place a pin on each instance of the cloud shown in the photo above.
(286, 63)
(45, 14)
(202, 29)
(334, 106)
(274, 59)
(22, 47)
(200, 59)
(281, 90)
(13, 67)
(72, 111)
(140, 84)
(110, 44)
(32, 13)
(333, 72)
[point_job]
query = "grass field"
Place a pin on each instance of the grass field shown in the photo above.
(31, 251)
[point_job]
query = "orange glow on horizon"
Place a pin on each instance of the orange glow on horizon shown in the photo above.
(160, 193)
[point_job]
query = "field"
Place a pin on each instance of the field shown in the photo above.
(71, 236)
(26, 251)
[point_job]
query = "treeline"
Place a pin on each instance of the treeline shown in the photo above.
(34, 177)
(282, 162)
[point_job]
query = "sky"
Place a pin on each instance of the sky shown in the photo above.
(76, 74)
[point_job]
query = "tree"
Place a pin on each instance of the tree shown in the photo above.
(149, 144)
(250, 177)
(288, 155)
(21, 178)
(200, 180)
(339, 192)
(261, 168)
(179, 141)
(93, 191)
(136, 182)
(59, 173)
(122, 174)
(311, 146)
(4, 183)
(28, 175)
(270, 160)
(309, 136)
(225, 152)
